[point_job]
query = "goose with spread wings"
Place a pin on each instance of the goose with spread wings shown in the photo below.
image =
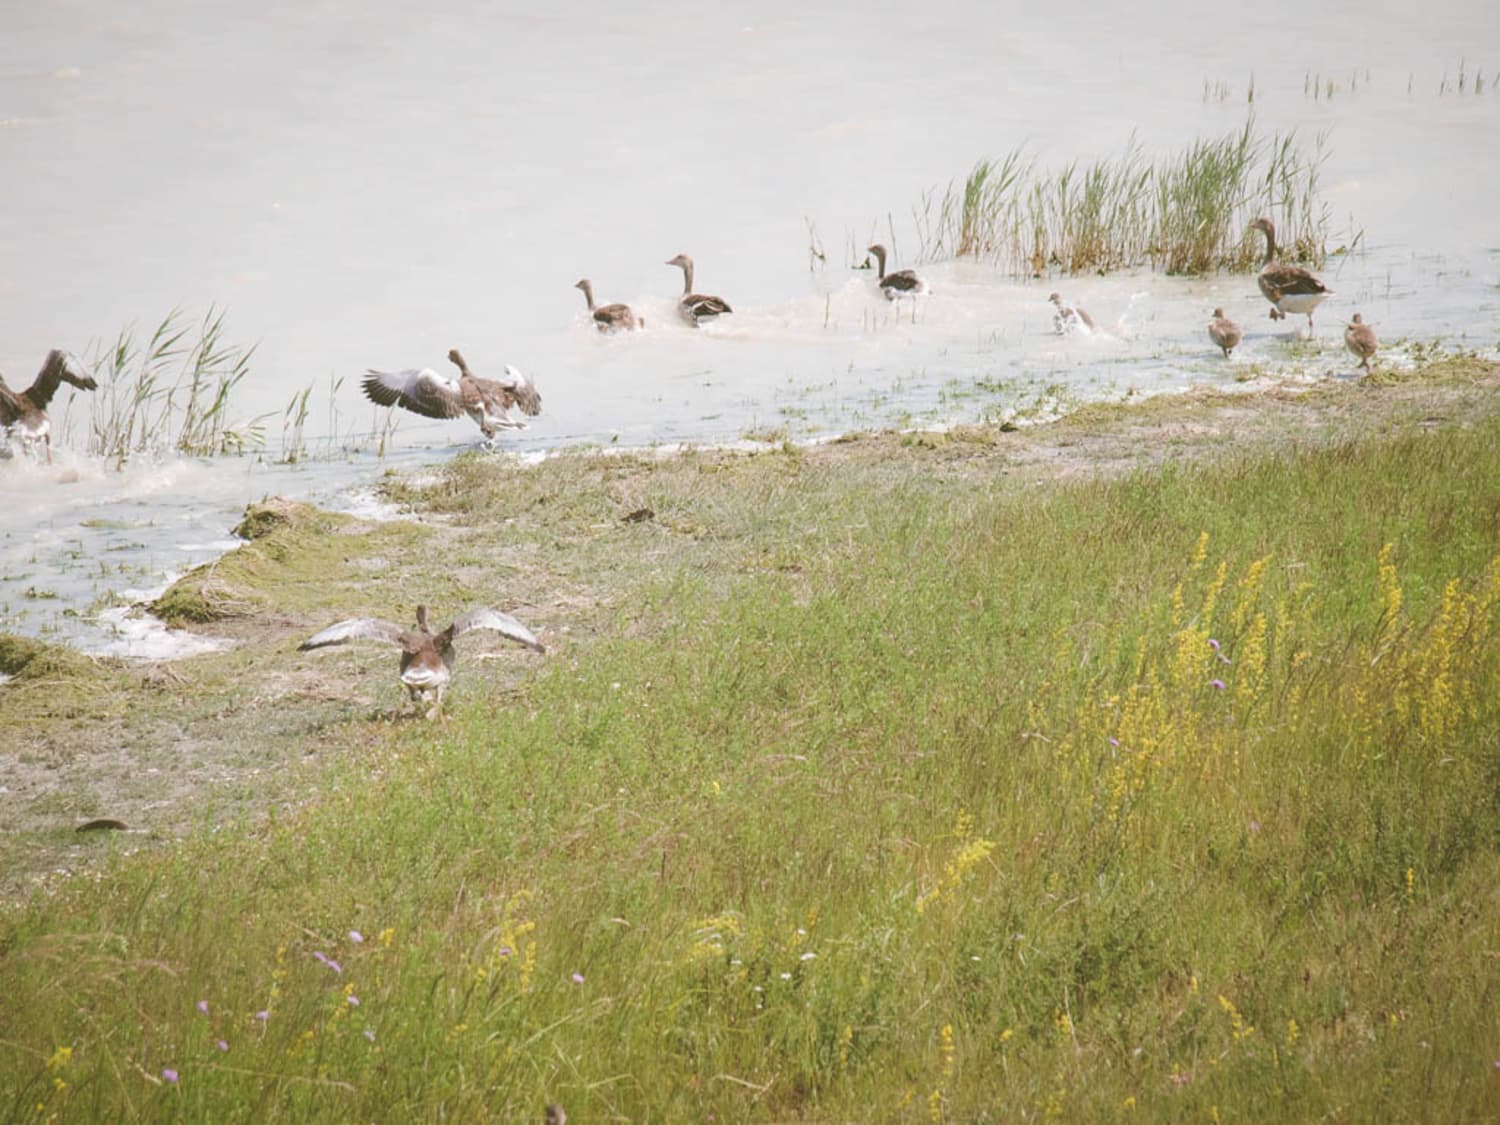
(24, 413)
(487, 401)
(426, 657)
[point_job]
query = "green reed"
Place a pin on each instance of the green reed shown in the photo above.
(1182, 213)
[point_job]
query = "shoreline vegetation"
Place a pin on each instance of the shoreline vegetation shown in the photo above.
(1141, 762)
(1184, 213)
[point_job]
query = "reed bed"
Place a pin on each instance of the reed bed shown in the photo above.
(1185, 213)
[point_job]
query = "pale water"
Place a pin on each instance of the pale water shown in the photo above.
(368, 185)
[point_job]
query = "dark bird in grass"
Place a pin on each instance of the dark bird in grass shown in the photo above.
(487, 401)
(24, 414)
(609, 318)
(426, 657)
(1068, 319)
(696, 307)
(1224, 332)
(897, 283)
(1360, 339)
(1290, 289)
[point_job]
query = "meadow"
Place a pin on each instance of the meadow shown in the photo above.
(891, 781)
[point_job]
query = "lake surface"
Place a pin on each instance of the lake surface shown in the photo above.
(367, 186)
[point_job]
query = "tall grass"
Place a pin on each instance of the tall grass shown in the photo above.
(1183, 213)
(1172, 796)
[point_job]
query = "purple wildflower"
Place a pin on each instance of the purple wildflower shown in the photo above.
(223, 1046)
(370, 1035)
(1217, 685)
(353, 1001)
(356, 937)
(263, 1016)
(202, 1006)
(1213, 644)
(329, 961)
(506, 951)
(1114, 742)
(577, 978)
(169, 1074)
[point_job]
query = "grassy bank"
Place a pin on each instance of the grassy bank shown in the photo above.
(868, 784)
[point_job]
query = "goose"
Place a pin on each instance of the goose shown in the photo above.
(696, 307)
(487, 401)
(426, 657)
(609, 318)
(897, 283)
(25, 413)
(1224, 332)
(1360, 339)
(1290, 289)
(1068, 319)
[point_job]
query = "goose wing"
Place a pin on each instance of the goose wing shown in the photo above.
(502, 623)
(356, 629)
(422, 392)
(521, 391)
(903, 281)
(59, 367)
(1291, 281)
(702, 305)
(11, 405)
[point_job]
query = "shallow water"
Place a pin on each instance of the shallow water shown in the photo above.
(370, 188)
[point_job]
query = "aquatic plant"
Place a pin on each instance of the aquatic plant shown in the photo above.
(1183, 213)
(170, 392)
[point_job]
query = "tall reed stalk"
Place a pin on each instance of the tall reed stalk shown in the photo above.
(171, 392)
(1183, 213)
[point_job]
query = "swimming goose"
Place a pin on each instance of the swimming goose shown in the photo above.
(1290, 289)
(1067, 319)
(25, 413)
(696, 307)
(487, 401)
(1224, 332)
(1360, 339)
(609, 318)
(898, 283)
(426, 657)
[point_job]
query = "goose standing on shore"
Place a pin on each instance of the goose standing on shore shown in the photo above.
(1290, 289)
(1068, 319)
(1224, 332)
(25, 413)
(609, 318)
(426, 657)
(696, 307)
(897, 283)
(487, 401)
(1360, 339)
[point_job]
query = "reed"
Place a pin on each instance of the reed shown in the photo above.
(1183, 213)
(170, 392)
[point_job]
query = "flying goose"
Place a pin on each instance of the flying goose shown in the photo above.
(897, 283)
(25, 414)
(426, 657)
(1360, 339)
(1290, 289)
(1224, 332)
(1067, 319)
(696, 307)
(487, 401)
(609, 318)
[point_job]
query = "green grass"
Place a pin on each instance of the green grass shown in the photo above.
(1186, 212)
(841, 835)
